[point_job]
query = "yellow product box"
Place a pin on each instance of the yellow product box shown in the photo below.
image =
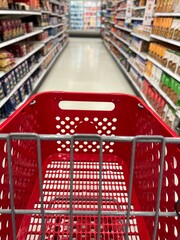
(170, 6)
(164, 5)
(162, 23)
(155, 23)
(168, 27)
(148, 68)
(162, 53)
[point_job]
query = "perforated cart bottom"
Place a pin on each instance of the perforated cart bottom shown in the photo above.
(56, 190)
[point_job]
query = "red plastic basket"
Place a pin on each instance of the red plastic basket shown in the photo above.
(88, 174)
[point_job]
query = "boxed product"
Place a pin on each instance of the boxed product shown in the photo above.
(29, 27)
(21, 93)
(5, 54)
(139, 44)
(12, 102)
(6, 86)
(2, 95)
(3, 4)
(173, 61)
(176, 32)
(16, 96)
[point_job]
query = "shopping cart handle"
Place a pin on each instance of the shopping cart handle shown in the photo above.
(177, 207)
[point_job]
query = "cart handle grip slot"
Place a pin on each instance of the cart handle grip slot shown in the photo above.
(86, 105)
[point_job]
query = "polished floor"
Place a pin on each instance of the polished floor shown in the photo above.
(85, 65)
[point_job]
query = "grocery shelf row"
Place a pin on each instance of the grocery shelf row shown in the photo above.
(43, 50)
(127, 74)
(121, 39)
(36, 66)
(29, 13)
(135, 85)
(119, 49)
(123, 28)
(20, 38)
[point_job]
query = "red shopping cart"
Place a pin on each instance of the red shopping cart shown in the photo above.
(74, 173)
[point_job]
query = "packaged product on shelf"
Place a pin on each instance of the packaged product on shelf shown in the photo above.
(2, 95)
(3, 4)
(16, 95)
(176, 35)
(139, 45)
(27, 4)
(5, 54)
(17, 74)
(29, 27)
(13, 77)
(11, 81)
(12, 102)
(18, 49)
(173, 62)
(31, 61)
(21, 93)
(6, 61)
(149, 66)
(6, 86)
(7, 68)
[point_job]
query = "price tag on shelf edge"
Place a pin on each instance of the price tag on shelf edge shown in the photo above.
(149, 12)
(128, 11)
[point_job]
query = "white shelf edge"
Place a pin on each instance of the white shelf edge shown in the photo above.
(162, 93)
(57, 25)
(167, 14)
(54, 2)
(142, 55)
(45, 12)
(170, 41)
(21, 60)
(134, 66)
(121, 18)
(166, 70)
(14, 40)
(121, 9)
(137, 19)
(122, 40)
(19, 12)
(46, 27)
(122, 52)
(139, 8)
(140, 36)
(123, 28)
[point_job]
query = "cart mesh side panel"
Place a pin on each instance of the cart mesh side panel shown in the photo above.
(85, 142)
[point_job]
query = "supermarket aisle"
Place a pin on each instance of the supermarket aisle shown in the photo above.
(85, 65)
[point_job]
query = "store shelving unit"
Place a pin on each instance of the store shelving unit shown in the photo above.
(55, 43)
(117, 29)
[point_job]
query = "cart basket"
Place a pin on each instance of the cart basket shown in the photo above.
(88, 166)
